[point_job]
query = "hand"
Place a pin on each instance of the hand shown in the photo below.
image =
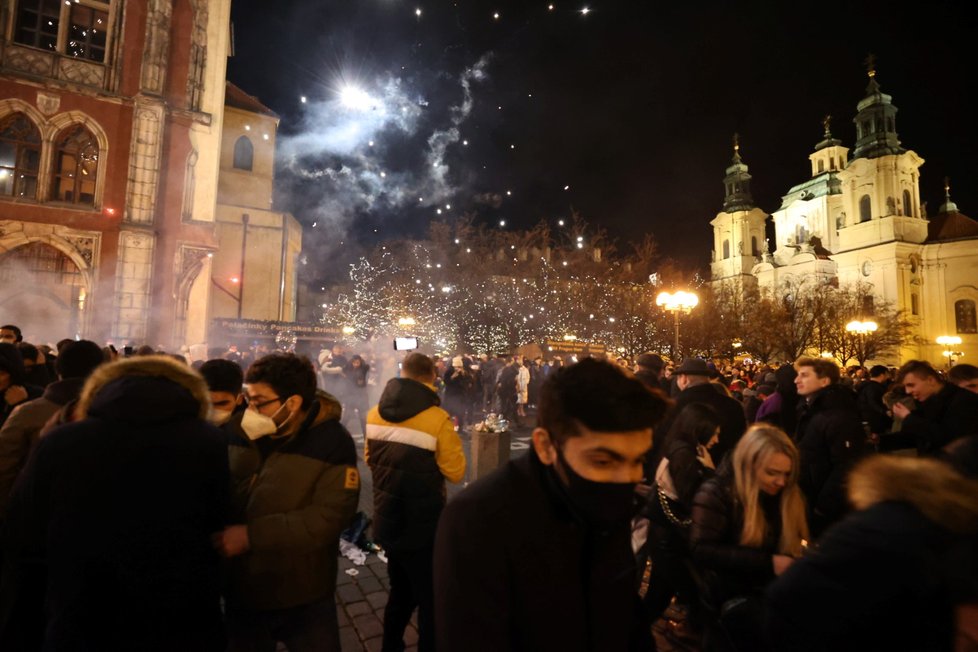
(900, 410)
(232, 541)
(781, 563)
(704, 457)
(15, 394)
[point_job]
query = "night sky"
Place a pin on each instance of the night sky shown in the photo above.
(621, 111)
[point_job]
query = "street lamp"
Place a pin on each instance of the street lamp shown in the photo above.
(861, 329)
(677, 303)
(947, 341)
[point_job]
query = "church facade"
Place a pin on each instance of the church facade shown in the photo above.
(859, 219)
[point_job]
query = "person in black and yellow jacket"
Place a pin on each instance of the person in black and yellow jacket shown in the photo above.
(411, 449)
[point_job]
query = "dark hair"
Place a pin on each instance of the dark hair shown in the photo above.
(878, 370)
(417, 365)
(15, 329)
(27, 351)
(962, 372)
(78, 359)
(287, 373)
(61, 343)
(146, 349)
(12, 362)
(823, 368)
(599, 395)
(696, 424)
(222, 375)
(920, 368)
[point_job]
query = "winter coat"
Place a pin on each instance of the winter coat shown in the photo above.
(296, 495)
(884, 578)
(728, 569)
(21, 430)
(515, 570)
(830, 440)
(947, 415)
(119, 509)
(730, 410)
(871, 407)
(411, 448)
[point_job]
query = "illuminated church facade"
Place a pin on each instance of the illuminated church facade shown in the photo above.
(859, 219)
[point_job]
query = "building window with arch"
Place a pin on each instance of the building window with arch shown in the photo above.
(726, 249)
(753, 246)
(914, 304)
(75, 166)
(20, 156)
(964, 316)
(244, 154)
(77, 29)
(908, 204)
(865, 209)
(821, 166)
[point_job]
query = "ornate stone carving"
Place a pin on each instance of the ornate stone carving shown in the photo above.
(198, 56)
(144, 162)
(85, 245)
(188, 259)
(81, 72)
(157, 49)
(48, 103)
(30, 61)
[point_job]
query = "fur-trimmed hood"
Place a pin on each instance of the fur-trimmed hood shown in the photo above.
(145, 388)
(934, 488)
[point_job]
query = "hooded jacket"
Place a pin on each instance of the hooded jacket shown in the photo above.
(888, 576)
(411, 448)
(119, 509)
(296, 496)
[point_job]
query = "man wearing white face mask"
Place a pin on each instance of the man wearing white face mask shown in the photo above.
(225, 380)
(295, 488)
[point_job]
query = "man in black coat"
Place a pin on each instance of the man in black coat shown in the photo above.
(944, 411)
(118, 510)
(870, 399)
(693, 379)
(537, 555)
(830, 438)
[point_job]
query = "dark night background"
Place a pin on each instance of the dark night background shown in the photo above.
(632, 105)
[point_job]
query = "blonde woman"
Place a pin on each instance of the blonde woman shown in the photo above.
(748, 526)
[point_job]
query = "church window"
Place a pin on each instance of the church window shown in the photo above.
(907, 204)
(869, 308)
(753, 246)
(865, 209)
(831, 163)
(867, 128)
(842, 164)
(244, 154)
(726, 249)
(78, 29)
(821, 166)
(964, 316)
(914, 304)
(75, 166)
(890, 126)
(20, 156)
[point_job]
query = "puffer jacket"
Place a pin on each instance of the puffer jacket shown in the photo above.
(296, 497)
(411, 448)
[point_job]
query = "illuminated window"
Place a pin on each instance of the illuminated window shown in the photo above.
(75, 166)
(20, 156)
(244, 154)
(78, 29)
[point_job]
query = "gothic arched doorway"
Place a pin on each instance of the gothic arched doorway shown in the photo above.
(42, 291)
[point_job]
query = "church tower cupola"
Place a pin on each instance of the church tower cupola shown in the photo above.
(737, 184)
(948, 206)
(876, 121)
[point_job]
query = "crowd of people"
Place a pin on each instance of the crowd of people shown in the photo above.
(153, 501)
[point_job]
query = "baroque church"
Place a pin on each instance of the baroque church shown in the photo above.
(859, 220)
(135, 182)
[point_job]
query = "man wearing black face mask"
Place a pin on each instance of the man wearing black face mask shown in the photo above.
(537, 556)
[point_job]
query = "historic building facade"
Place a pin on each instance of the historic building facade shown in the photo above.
(860, 219)
(111, 149)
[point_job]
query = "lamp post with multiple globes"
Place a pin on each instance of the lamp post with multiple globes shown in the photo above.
(861, 329)
(948, 341)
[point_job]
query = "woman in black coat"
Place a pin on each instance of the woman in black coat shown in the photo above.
(748, 525)
(685, 464)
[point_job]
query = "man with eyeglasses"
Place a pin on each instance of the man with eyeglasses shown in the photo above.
(295, 488)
